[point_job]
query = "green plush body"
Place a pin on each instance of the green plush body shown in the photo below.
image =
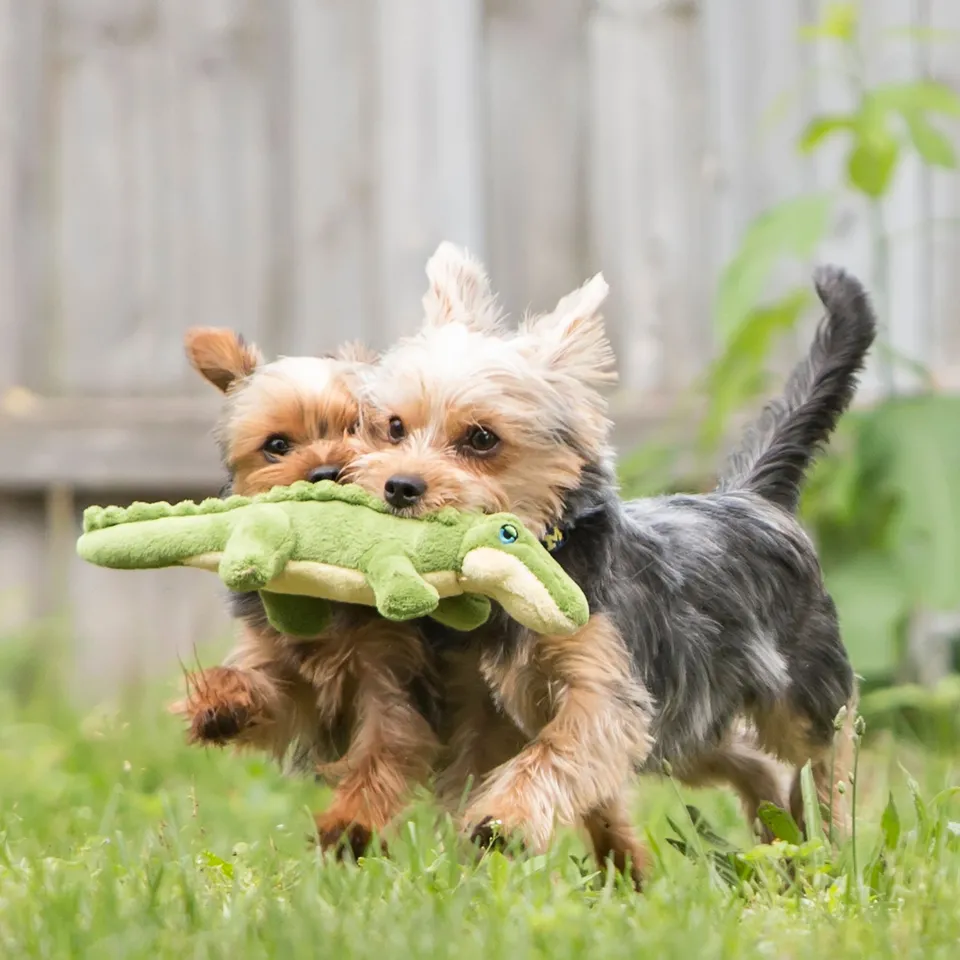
(310, 543)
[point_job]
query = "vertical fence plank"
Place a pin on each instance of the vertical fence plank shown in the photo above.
(21, 562)
(537, 89)
(161, 128)
(23, 254)
(332, 101)
(429, 176)
(895, 58)
(729, 54)
(11, 320)
(759, 83)
(648, 196)
(944, 199)
(104, 314)
(215, 122)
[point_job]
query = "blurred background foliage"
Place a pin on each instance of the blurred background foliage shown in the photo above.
(884, 503)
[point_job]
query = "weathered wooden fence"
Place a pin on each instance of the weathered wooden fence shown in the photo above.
(285, 167)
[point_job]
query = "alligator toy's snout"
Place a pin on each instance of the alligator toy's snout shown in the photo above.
(527, 582)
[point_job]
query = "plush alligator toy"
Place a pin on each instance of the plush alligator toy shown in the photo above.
(310, 543)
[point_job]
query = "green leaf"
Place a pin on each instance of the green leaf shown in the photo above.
(873, 159)
(648, 470)
(819, 128)
(873, 604)
(812, 818)
(780, 823)
(918, 96)
(943, 798)
(792, 229)
(874, 873)
(706, 831)
(923, 815)
(890, 825)
(737, 376)
(932, 145)
(839, 22)
(218, 863)
(917, 440)
(871, 165)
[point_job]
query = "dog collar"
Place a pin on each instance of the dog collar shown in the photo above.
(554, 539)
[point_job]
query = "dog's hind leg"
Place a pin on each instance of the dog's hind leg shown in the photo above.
(615, 841)
(737, 762)
(789, 732)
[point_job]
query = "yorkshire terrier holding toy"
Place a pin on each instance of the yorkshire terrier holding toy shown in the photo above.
(705, 610)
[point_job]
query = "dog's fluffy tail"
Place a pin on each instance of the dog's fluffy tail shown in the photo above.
(779, 449)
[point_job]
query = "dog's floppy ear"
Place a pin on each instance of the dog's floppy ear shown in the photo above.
(571, 340)
(220, 356)
(459, 290)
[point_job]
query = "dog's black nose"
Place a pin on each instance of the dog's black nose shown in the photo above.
(404, 491)
(329, 471)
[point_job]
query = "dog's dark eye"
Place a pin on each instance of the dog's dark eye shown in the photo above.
(396, 431)
(276, 446)
(482, 440)
(353, 428)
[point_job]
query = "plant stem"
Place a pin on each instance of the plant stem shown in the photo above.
(881, 289)
(853, 809)
(833, 787)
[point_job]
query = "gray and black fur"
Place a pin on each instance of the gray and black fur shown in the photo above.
(720, 597)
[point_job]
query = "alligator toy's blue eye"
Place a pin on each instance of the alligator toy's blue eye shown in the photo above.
(509, 533)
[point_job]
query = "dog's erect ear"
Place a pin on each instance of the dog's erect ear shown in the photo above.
(571, 340)
(356, 352)
(220, 356)
(459, 290)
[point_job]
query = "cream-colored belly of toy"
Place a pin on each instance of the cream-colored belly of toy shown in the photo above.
(310, 579)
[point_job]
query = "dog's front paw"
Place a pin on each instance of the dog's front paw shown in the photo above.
(489, 834)
(506, 828)
(218, 707)
(343, 839)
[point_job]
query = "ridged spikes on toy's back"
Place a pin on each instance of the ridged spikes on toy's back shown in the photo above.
(778, 451)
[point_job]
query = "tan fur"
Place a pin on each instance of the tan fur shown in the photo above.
(569, 695)
(257, 699)
(454, 376)
(318, 423)
(221, 356)
(458, 291)
(787, 735)
(477, 736)
(614, 841)
(738, 763)
(391, 745)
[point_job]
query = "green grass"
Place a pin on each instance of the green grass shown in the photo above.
(116, 840)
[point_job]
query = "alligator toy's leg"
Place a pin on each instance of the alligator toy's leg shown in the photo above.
(258, 548)
(401, 593)
(466, 612)
(295, 616)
